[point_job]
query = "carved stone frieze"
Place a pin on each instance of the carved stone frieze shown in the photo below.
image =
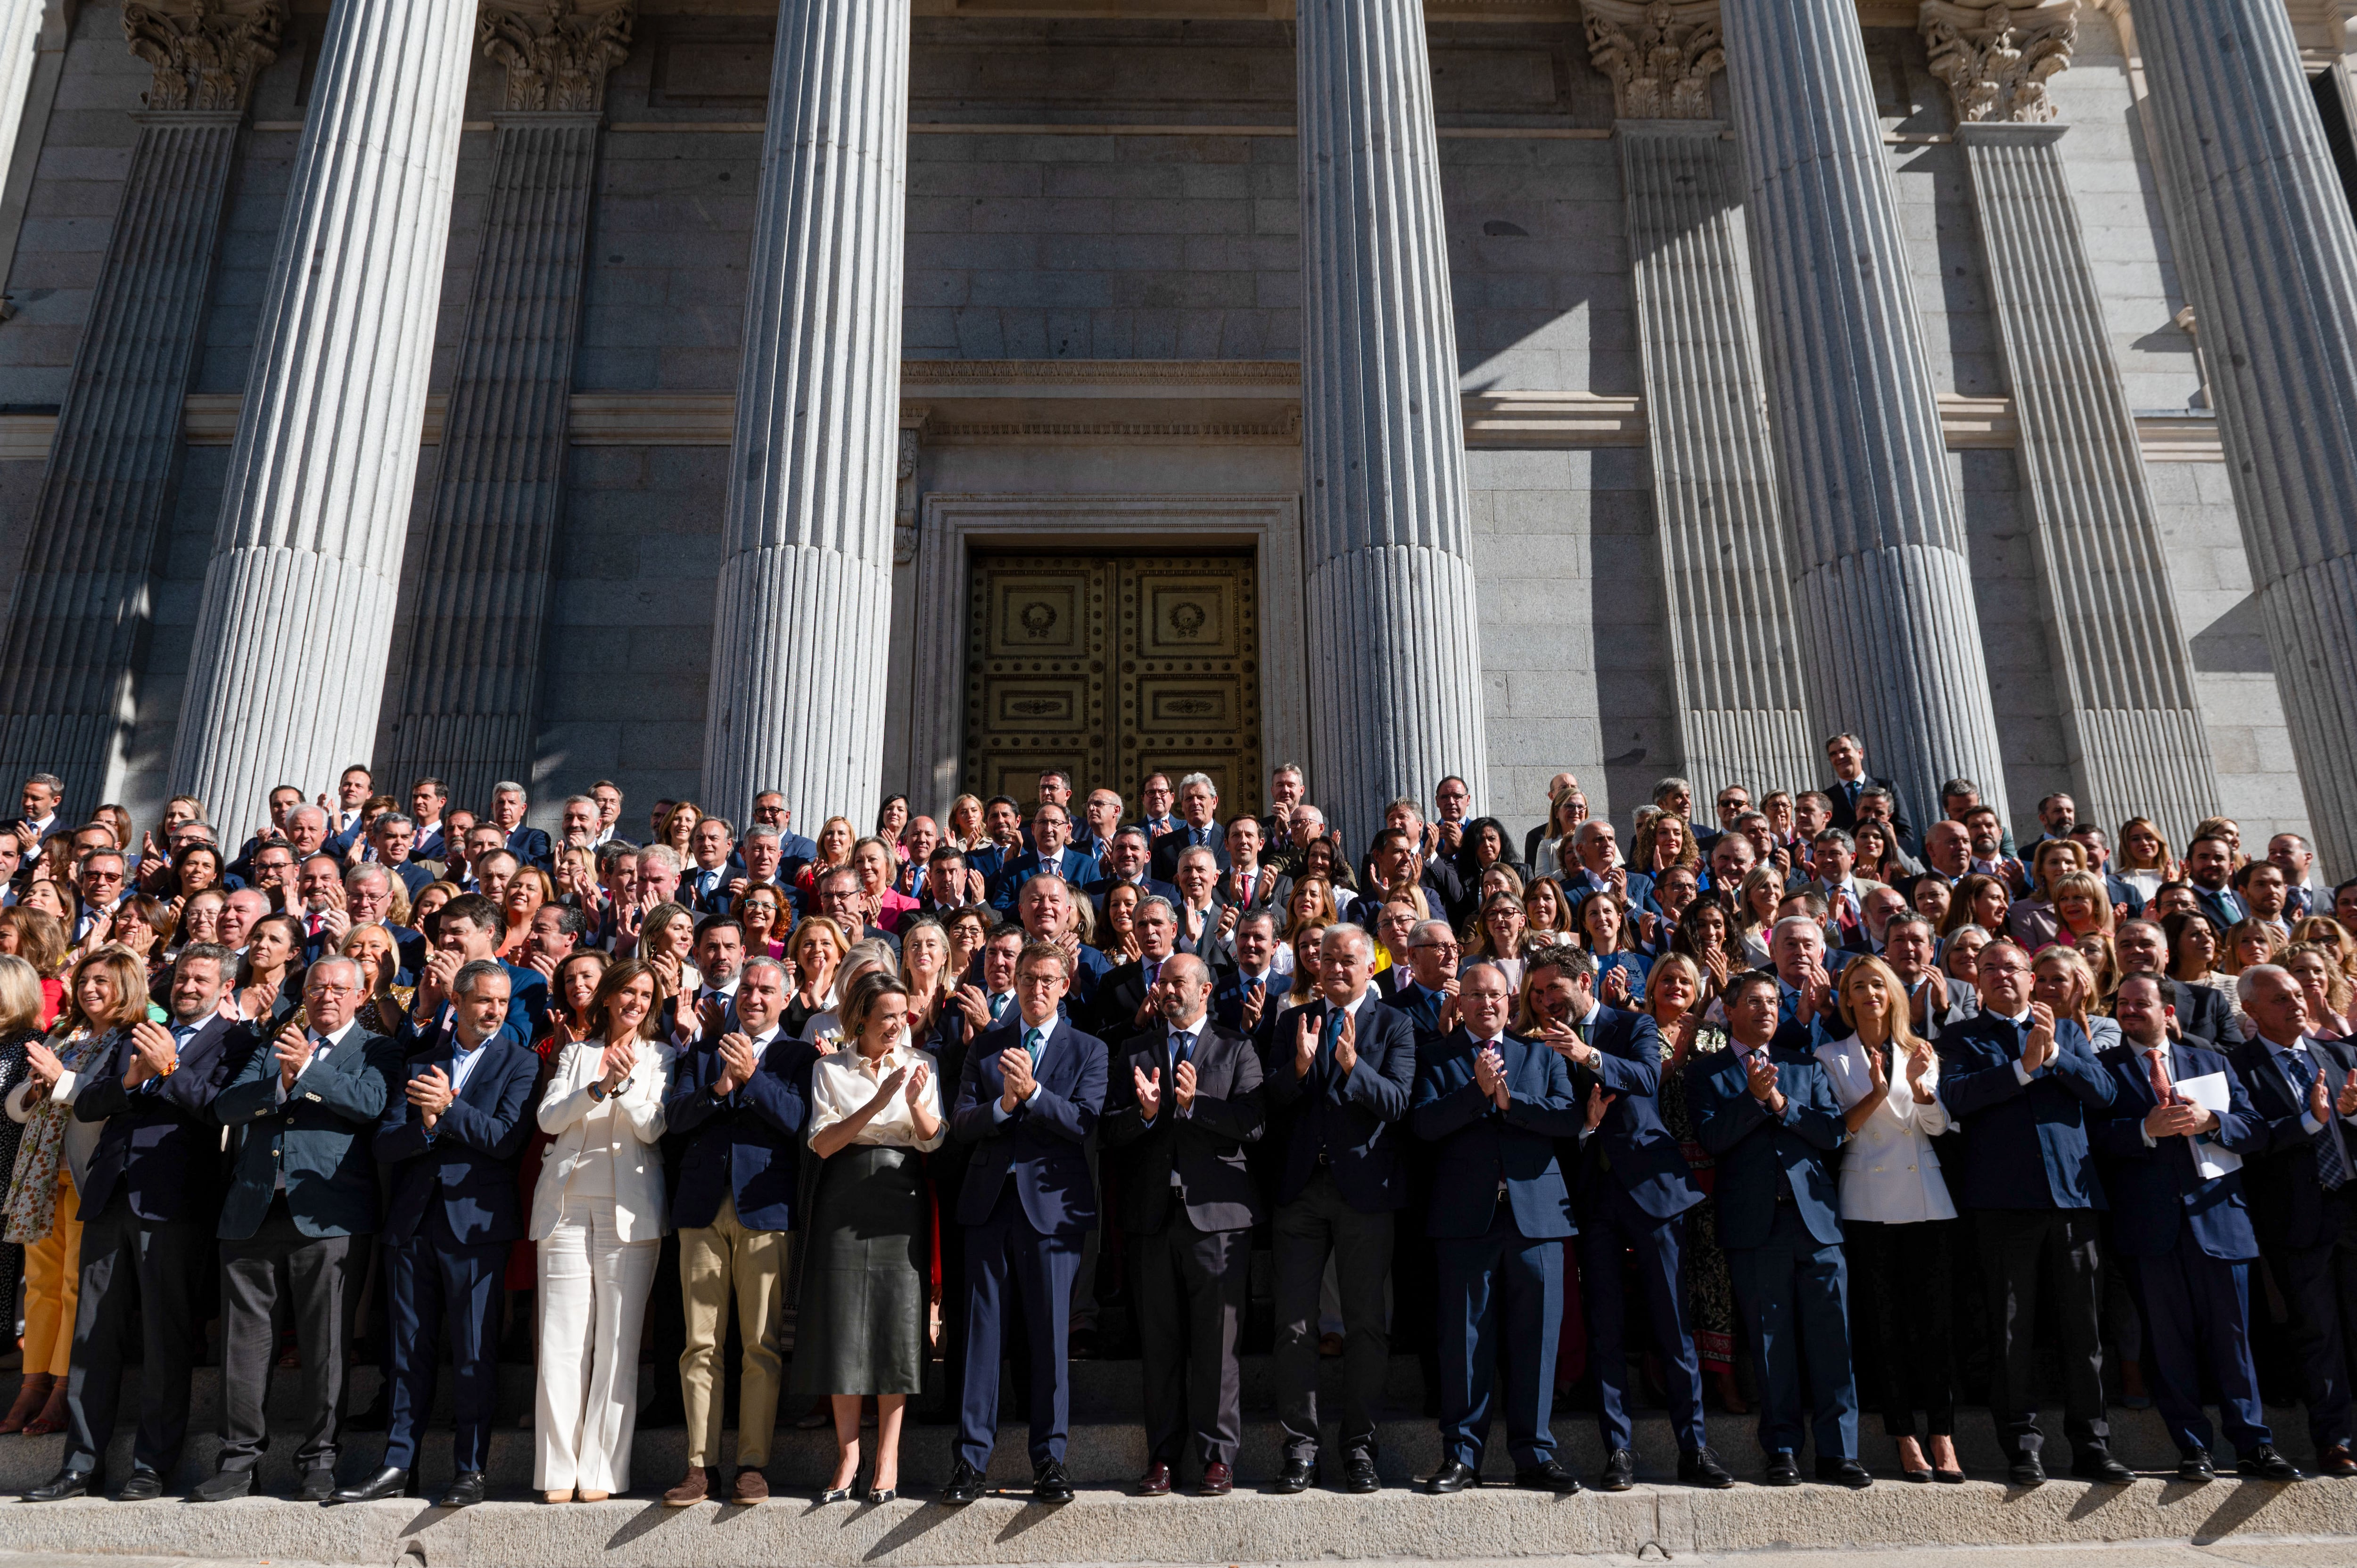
(1660, 55)
(556, 52)
(206, 52)
(1996, 57)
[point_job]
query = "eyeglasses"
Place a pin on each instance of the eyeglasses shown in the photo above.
(1432, 947)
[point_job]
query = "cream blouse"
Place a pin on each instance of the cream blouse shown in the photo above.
(844, 1081)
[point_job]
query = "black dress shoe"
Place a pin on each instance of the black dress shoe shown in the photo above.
(2027, 1470)
(1550, 1477)
(318, 1487)
(1453, 1476)
(386, 1483)
(144, 1487)
(1359, 1475)
(465, 1492)
(1784, 1470)
(1948, 1477)
(221, 1485)
(1843, 1473)
(1051, 1484)
(966, 1485)
(1700, 1467)
(1298, 1476)
(2264, 1463)
(1620, 1472)
(2098, 1466)
(59, 1487)
(2196, 1467)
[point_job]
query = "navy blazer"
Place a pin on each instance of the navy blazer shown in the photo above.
(2024, 1146)
(2217, 906)
(1753, 1149)
(527, 1015)
(2151, 1189)
(1349, 1117)
(1039, 1145)
(2203, 1012)
(531, 847)
(318, 1137)
(1632, 1151)
(160, 1143)
(1078, 871)
(471, 1156)
(1480, 1146)
(2288, 1205)
(745, 1144)
(1164, 860)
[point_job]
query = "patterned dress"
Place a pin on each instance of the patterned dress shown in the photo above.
(1709, 1288)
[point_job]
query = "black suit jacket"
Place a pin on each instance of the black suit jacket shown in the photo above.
(2288, 1206)
(161, 1144)
(1204, 1147)
(1352, 1118)
(1164, 863)
(1845, 814)
(2203, 1013)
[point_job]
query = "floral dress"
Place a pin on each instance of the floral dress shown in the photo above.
(1709, 1288)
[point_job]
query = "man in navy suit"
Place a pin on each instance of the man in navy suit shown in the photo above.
(1028, 1099)
(703, 884)
(1633, 1189)
(740, 1099)
(2303, 1087)
(1765, 1112)
(148, 1203)
(529, 845)
(1126, 1003)
(1599, 870)
(1496, 1106)
(1124, 861)
(2021, 1085)
(468, 932)
(1199, 827)
(1846, 754)
(2200, 1013)
(2182, 1235)
(1154, 798)
(770, 810)
(1002, 821)
(450, 1143)
(2210, 866)
(1344, 1068)
(1050, 826)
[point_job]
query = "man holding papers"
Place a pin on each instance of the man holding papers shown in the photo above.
(2170, 1151)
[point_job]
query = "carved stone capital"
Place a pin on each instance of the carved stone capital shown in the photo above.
(1996, 56)
(556, 52)
(206, 52)
(1660, 55)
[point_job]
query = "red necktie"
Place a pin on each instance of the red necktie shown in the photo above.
(2160, 1090)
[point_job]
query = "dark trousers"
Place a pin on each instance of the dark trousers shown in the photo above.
(2015, 1244)
(2319, 1288)
(315, 1275)
(440, 1286)
(2196, 1311)
(1314, 1226)
(1906, 1321)
(1189, 1286)
(1001, 1248)
(1793, 1294)
(1501, 1295)
(158, 1270)
(1610, 1229)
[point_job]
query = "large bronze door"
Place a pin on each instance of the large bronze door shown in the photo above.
(1113, 667)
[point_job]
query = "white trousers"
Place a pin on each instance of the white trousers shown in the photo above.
(593, 1304)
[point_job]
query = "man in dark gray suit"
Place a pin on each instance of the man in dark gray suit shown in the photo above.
(1182, 1102)
(301, 1196)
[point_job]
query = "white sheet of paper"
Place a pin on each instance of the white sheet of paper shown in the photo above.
(2208, 1091)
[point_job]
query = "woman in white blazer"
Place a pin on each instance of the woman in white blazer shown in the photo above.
(598, 1217)
(1896, 1212)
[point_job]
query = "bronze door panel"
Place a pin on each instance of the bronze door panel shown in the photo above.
(1035, 673)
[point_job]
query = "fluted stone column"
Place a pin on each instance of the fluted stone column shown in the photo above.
(287, 670)
(2275, 286)
(797, 694)
(1396, 684)
(2130, 711)
(78, 619)
(467, 709)
(1890, 636)
(1742, 711)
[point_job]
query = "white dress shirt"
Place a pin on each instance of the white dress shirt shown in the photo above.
(843, 1081)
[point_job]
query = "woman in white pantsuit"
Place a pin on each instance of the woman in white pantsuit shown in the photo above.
(598, 1217)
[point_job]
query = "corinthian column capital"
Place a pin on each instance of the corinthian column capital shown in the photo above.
(206, 52)
(1660, 55)
(556, 52)
(1996, 56)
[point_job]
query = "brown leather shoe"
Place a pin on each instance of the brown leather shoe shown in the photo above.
(1155, 1482)
(752, 1486)
(693, 1488)
(2336, 1461)
(1217, 1481)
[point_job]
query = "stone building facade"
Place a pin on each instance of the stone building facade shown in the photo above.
(1495, 386)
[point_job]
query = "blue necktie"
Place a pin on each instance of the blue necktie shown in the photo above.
(997, 1007)
(2332, 1170)
(1033, 1038)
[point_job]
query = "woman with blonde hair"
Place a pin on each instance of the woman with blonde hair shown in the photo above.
(825, 1030)
(678, 831)
(666, 939)
(2065, 980)
(963, 825)
(527, 890)
(925, 972)
(2332, 935)
(1310, 903)
(1756, 898)
(107, 992)
(2031, 920)
(597, 1216)
(1896, 1210)
(2143, 861)
(40, 940)
(835, 839)
(1565, 813)
(373, 947)
(2250, 944)
(1663, 842)
(1498, 935)
(2322, 985)
(2081, 905)
(813, 953)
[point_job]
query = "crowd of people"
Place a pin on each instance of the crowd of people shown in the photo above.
(1801, 1107)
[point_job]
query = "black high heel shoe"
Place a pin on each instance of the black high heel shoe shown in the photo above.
(839, 1495)
(878, 1499)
